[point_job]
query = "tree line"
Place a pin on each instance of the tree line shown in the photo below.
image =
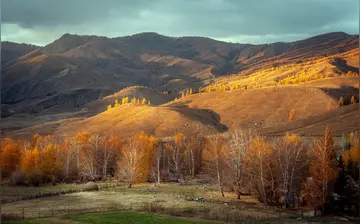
(280, 171)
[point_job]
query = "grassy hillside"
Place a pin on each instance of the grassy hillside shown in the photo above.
(128, 120)
(263, 107)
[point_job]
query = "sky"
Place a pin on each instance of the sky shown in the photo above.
(40, 22)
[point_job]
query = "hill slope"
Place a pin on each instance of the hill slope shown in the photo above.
(75, 70)
(128, 120)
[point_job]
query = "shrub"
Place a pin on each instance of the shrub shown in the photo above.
(34, 178)
(17, 178)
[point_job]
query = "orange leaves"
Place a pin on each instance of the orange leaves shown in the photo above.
(82, 137)
(292, 116)
(323, 169)
(179, 139)
(30, 160)
(50, 164)
(10, 156)
(352, 155)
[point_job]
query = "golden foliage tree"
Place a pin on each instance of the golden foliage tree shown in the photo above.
(341, 102)
(9, 156)
(323, 170)
(292, 116)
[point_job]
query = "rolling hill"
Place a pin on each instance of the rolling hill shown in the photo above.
(75, 70)
(69, 83)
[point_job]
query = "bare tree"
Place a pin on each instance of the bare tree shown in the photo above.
(90, 158)
(290, 158)
(214, 156)
(156, 169)
(238, 147)
(176, 159)
(108, 147)
(129, 166)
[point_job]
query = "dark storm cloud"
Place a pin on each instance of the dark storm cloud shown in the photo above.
(235, 20)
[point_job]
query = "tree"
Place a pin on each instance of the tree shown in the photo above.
(323, 170)
(76, 144)
(341, 102)
(330, 105)
(116, 103)
(109, 107)
(50, 165)
(182, 94)
(90, 157)
(176, 155)
(258, 161)
(109, 148)
(238, 148)
(10, 156)
(190, 91)
(292, 115)
(143, 101)
(66, 153)
(132, 158)
(214, 158)
(353, 100)
(149, 103)
(290, 158)
(133, 100)
(156, 169)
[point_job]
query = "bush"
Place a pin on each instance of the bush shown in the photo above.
(17, 178)
(34, 178)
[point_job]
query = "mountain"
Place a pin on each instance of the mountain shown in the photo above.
(75, 70)
(11, 51)
(67, 84)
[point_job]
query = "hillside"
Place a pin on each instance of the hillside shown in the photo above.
(341, 120)
(140, 92)
(128, 120)
(264, 107)
(11, 51)
(75, 70)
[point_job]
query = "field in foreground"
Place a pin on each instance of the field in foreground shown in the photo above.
(118, 217)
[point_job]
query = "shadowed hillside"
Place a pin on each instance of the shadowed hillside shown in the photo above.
(74, 70)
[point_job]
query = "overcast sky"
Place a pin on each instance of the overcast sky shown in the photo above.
(245, 21)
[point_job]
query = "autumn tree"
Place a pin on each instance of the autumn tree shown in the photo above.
(238, 147)
(132, 158)
(109, 107)
(341, 102)
(90, 157)
(258, 161)
(353, 100)
(116, 103)
(77, 142)
(190, 91)
(290, 159)
(50, 164)
(176, 155)
(214, 159)
(10, 156)
(292, 115)
(109, 149)
(323, 170)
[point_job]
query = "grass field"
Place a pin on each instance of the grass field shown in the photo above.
(13, 192)
(119, 217)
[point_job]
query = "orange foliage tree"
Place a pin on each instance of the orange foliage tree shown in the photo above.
(323, 170)
(9, 156)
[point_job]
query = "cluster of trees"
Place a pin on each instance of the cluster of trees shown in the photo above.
(284, 170)
(126, 100)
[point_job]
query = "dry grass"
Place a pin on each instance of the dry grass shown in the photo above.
(128, 120)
